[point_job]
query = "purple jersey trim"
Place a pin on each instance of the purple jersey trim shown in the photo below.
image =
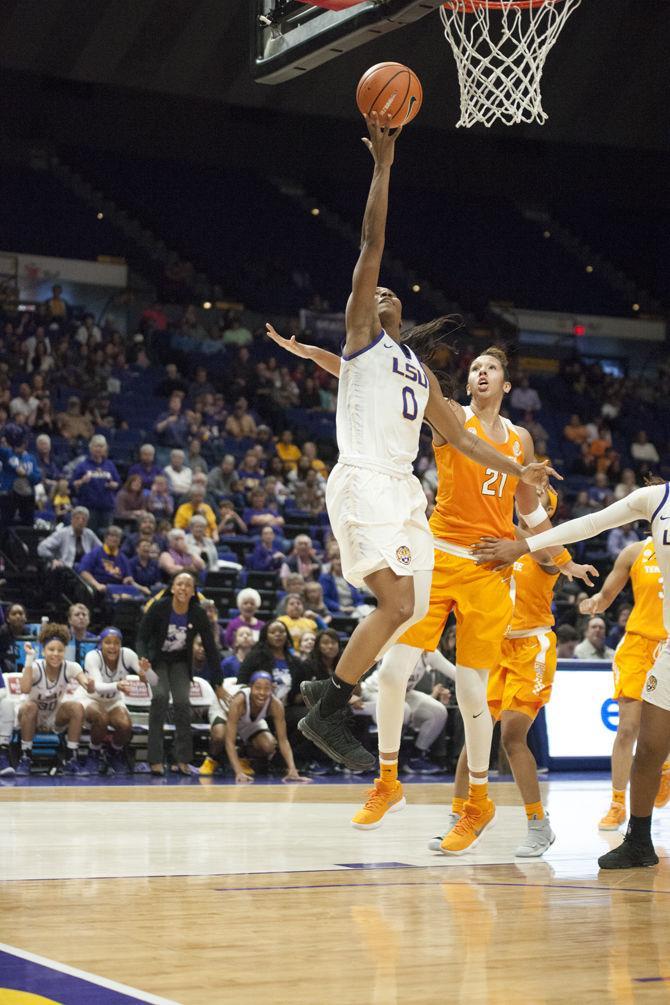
(371, 345)
(661, 504)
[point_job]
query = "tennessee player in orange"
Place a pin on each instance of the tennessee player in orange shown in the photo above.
(520, 685)
(632, 661)
(470, 497)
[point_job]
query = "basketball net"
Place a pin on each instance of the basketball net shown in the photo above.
(500, 50)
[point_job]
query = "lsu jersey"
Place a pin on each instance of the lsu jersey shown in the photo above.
(646, 618)
(48, 694)
(473, 501)
(381, 402)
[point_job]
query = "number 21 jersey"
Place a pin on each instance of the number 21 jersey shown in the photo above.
(473, 500)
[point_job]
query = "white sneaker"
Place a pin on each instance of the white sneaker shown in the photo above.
(539, 839)
(435, 844)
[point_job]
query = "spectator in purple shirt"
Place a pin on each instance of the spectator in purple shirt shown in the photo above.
(248, 602)
(266, 556)
(144, 569)
(146, 466)
(107, 566)
(259, 513)
(95, 482)
(171, 427)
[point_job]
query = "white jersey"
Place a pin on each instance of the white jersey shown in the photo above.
(48, 694)
(651, 503)
(380, 406)
(248, 724)
(105, 678)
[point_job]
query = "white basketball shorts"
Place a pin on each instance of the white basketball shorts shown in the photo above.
(656, 688)
(378, 520)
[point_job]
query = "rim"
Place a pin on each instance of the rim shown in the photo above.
(470, 6)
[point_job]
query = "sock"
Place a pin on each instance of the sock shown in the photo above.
(458, 805)
(73, 746)
(639, 829)
(478, 791)
(94, 746)
(26, 746)
(388, 771)
(534, 810)
(619, 797)
(336, 697)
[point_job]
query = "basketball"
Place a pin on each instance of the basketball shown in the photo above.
(390, 89)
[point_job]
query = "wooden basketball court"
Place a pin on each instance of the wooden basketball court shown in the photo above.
(202, 893)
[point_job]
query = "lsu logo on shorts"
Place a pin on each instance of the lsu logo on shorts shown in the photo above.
(403, 554)
(651, 683)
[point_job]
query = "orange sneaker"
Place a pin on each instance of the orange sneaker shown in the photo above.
(615, 816)
(246, 767)
(663, 794)
(467, 833)
(381, 799)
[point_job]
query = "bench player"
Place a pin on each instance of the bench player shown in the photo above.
(45, 702)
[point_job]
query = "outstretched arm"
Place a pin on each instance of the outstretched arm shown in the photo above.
(614, 583)
(639, 505)
(328, 361)
(361, 317)
(450, 426)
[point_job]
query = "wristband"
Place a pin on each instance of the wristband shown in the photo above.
(538, 516)
(562, 559)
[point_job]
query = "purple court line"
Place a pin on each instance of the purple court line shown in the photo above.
(650, 980)
(440, 882)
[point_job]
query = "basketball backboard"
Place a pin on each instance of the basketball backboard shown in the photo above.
(289, 38)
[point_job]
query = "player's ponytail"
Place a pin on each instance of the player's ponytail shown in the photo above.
(424, 340)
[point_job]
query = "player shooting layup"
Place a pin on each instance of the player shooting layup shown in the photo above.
(376, 505)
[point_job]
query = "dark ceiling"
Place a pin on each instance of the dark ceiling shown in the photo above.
(606, 81)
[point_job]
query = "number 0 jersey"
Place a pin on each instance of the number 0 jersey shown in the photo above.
(382, 397)
(473, 500)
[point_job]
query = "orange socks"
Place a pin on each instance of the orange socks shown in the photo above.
(388, 772)
(534, 810)
(458, 805)
(619, 796)
(478, 791)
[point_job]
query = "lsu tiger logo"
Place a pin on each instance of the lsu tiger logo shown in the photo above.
(403, 554)
(651, 683)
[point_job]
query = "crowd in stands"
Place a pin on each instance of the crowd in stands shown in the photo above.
(136, 471)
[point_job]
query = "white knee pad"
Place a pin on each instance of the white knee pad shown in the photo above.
(471, 695)
(393, 675)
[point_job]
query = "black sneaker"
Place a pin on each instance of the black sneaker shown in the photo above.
(313, 691)
(332, 736)
(629, 855)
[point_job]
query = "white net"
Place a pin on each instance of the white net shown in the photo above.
(500, 50)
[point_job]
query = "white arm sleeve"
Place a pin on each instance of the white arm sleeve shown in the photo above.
(437, 661)
(639, 505)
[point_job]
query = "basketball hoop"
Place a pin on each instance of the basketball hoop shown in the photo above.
(500, 48)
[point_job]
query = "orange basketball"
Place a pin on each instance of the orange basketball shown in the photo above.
(390, 89)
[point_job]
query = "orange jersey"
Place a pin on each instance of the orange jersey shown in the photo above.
(473, 500)
(646, 618)
(533, 592)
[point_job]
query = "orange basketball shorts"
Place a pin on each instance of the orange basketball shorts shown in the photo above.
(481, 602)
(523, 679)
(633, 659)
